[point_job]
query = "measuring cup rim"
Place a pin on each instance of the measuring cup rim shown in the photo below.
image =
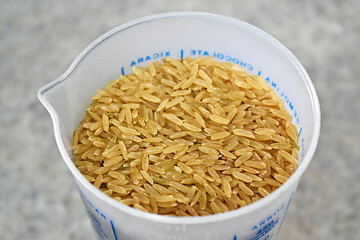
(188, 220)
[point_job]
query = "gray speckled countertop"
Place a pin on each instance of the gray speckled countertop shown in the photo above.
(40, 39)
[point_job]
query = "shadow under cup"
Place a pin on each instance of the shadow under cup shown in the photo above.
(179, 35)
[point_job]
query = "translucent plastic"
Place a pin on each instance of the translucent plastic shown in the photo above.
(179, 35)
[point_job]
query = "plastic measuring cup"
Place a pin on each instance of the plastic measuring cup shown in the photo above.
(179, 35)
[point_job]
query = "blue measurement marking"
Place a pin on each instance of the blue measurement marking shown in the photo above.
(112, 226)
(122, 71)
(265, 230)
(289, 202)
(300, 131)
(181, 54)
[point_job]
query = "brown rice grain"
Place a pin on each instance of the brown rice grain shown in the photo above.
(219, 135)
(242, 177)
(202, 200)
(280, 146)
(243, 133)
(255, 164)
(147, 177)
(245, 189)
(215, 208)
(263, 191)
(174, 148)
(280, 178)
(288, 156)
(226, 188)
(242, 159)
(116, 175)
(173, 118)
(179, 186)
(112, 161)
(249, 169)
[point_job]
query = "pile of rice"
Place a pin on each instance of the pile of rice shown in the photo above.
(186, 138)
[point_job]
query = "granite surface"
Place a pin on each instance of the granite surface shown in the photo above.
(40, 39)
